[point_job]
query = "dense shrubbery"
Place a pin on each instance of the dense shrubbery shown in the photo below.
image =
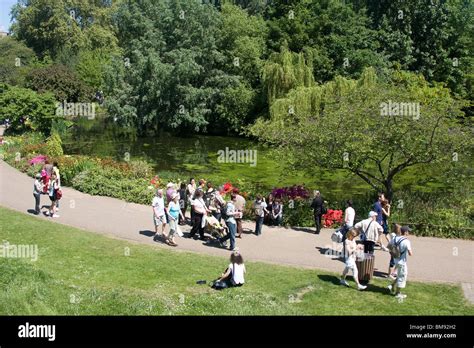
(25, 109)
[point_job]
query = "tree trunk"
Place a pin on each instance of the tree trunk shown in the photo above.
(388, 189)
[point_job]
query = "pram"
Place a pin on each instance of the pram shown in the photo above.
(214, 228)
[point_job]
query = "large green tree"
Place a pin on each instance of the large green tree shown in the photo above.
(371, 128)
(333, 35)
(52, 27)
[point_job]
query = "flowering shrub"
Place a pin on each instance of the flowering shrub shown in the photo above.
(332, 217)
(37, 159)
(291, 192)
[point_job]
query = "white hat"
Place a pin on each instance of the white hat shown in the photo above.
(170, 184)
(372, 213)
(174, 196)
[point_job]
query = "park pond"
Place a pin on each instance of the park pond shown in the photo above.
(185, 156)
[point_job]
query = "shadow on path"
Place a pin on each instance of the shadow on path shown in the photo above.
(304, 229)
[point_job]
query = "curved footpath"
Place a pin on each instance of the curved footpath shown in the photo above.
(434, 260)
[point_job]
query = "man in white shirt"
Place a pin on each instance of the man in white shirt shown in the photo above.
(349, 215)
(159, 217)
(369, 231)
(401, 267)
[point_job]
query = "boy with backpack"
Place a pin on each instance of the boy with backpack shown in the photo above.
(399, 248)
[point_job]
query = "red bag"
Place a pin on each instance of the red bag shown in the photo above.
(59, 194)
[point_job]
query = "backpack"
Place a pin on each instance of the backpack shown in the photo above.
(224, 212)
(394, 248)
(337, 236)
(258, 209)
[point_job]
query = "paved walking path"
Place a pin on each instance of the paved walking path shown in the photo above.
(435, 259)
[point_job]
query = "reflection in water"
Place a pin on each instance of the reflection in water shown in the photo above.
(196, 155)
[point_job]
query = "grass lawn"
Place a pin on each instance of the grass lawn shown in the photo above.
(79, 272)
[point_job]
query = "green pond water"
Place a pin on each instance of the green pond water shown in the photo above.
(197, 156)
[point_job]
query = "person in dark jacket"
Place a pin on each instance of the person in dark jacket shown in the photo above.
(317, 206)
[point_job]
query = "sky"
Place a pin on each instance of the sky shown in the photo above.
(5, 6)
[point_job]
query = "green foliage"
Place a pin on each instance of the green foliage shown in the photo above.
(61, 81)
(15, 53)
(102, 183)
(342, 124)
(91, 67)
(66, 25)
(336, 36)
(54, 146)
(26, 109)
(285, 71)
(430, 37)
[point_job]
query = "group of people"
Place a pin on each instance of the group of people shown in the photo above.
(48, 182)
(206, 201)
(370, 232)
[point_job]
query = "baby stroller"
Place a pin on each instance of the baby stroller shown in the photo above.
(214, 228)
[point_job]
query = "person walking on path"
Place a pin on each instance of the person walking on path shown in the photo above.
(349, 216)
(403, 247)
(159, 219)
(191, 189)
(174, 212)
(396, 231)
(318, 210)
(58, 176)
(240, 207)
(37, 191)
(350, 260)
(369, 231)
(46, 175)
(385, 216)
(269, 217)
(200, 211)
(183, 203)
(378, 209)
(230, 213)
(260, 209)
(53, 195)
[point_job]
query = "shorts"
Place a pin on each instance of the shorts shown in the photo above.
(402, 273)
(159, 220)
(53, 198)
(385, 228)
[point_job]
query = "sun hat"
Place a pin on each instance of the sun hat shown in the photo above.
(174, 196)
(372, 213)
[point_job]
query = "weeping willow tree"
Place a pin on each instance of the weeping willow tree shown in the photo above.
(371, 128)
(285, 71)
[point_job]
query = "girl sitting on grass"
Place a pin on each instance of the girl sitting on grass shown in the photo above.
(351, 250)
(234, 274)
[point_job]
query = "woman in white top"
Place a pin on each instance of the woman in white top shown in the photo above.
(234, 274)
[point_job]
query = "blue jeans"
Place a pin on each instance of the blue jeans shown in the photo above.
(232, 230)
(258, 225)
